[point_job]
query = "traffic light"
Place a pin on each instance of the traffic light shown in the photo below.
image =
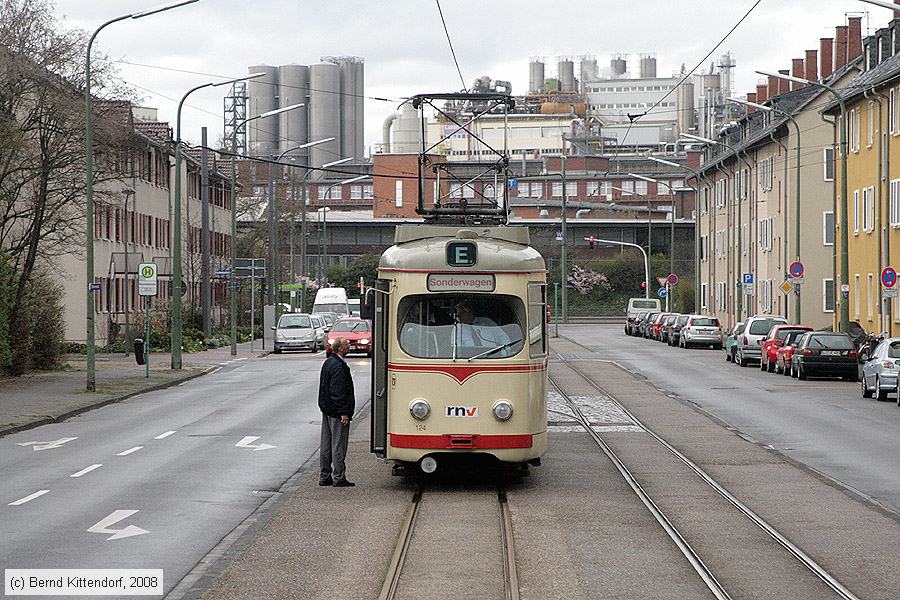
(591, 241)
(643, 285)
(358, 286)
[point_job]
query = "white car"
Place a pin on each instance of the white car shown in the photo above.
(318, 322)
(749, 343)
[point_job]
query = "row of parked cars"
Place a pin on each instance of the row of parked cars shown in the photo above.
(314, 332)
(780, 347)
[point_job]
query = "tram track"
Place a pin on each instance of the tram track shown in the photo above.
(391, 587)
(677, 537)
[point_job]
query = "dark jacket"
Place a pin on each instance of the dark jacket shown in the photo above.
(336, 388)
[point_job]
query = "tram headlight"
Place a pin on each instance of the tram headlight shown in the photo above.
(502, 410)
(419, 409)
(364, 341)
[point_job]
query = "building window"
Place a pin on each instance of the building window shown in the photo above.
(627, 188)
(856, 296)
(557, 189)
(704, 242)
(368, 192)
(398, 193)
(828, 161)
(571, 188)
(704, 290)
(895, 203)
(640, 188)
(828, 228)
(356, 192)
(828, 295)
(855, 211)
(868, 209)
(870, 137)
(893, 111)
(870, 300)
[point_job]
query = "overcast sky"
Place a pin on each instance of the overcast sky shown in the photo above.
(405, 51)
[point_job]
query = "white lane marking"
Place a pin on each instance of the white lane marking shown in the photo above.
(86, 470)
(112, 519)
(28, 498)
(216, 370)
(129, 451)
(247, 442)
(163, 436)
(47, 445)
(237, 359)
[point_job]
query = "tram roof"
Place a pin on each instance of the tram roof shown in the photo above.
(421, 247)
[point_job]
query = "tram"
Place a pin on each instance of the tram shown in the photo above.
(460, 358)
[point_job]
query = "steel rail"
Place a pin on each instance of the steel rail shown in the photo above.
(799, 554)
(510, 573)
(696, 562)
(403, 542)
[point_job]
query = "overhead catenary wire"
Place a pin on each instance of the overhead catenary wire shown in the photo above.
(450, 43)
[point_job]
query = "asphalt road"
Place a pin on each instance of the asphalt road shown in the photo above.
(185, 465)
(824, 424)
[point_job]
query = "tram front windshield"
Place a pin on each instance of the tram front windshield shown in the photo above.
(461, 326)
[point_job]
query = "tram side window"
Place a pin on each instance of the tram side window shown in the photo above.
(461, 326)
(537, 318)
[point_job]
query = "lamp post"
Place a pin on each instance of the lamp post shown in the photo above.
(764, 108)
(649, 216)
(127, 191)
(671, 220)
(323, 246)
(646, 261)
(91, 383)
(303, 205)
(176, 222)
(234, 216)
(845, 259)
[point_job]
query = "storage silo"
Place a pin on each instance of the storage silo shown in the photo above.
(566, 75)
(359, 110)
(262, 97)
(407, 131)
(325, 112)
(648, 66)
(293, 125)
(618, 66)
(588, 71)
(536, 76)
(685, 107)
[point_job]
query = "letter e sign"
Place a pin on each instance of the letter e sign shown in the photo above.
(461, 254)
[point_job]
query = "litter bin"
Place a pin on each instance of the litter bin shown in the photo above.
(139, 351)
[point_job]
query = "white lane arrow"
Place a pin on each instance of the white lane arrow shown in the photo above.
(47, 445)
(247, 442)
(112, 519)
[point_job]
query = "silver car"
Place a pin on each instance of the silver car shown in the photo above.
(319, 323)
(749, 343)
(296, 332)
(879, 374)
(701, 330)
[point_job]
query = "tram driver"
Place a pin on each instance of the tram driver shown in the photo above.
(477, 331)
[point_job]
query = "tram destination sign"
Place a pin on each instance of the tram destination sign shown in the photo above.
(462, 254)
(460, 282)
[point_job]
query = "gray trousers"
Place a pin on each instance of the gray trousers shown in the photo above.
(333, 449)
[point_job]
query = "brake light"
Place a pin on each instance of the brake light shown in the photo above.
(888, 364)
(745, 342)
(807, 352)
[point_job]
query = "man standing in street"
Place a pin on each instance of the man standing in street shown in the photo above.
(337, 403)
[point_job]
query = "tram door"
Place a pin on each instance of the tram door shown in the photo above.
(380, 300)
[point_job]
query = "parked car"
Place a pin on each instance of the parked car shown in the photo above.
(330, 318)
(657, 324)
(354, 303)
(356, 331)
(701, 330)
(729, 344)
(773, 342)
(825, 354)
(879, 373)
(635, 306)
(319, 324)
(749, 343)
(785, 353)
(666, 326)
(647, 324)
(295, 331)
(631, 325)
(675, 331)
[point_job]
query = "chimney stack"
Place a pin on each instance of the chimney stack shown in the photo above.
(784, 85)
(826, 55)
(854, 41)
(797, 71)
(751, 97)
(840, 47)
(762, 93)
(774, 86)
(812, 65)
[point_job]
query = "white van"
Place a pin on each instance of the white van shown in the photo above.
(637, 306)
(333, 300)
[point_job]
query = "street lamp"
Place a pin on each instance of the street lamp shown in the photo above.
(127, 191)
(234, 216)
(91, 384)
(671, 220)
(323, 247)
(790, 119)
(649, 216)
(845, 258)
(176, 224)
(646, 262)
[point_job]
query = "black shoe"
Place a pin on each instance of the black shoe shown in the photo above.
(328, 481)
(343, 483)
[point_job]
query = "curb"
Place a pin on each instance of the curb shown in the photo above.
(82, 409)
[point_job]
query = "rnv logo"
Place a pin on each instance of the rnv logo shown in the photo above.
(462, 411)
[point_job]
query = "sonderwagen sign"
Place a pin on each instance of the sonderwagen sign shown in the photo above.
(460, 282)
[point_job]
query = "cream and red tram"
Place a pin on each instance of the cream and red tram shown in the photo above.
(460, 358)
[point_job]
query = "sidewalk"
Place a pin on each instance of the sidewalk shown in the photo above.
(44, 397)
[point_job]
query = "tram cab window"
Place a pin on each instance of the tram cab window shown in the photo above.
(461, 326)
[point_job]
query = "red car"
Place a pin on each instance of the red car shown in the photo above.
(355, 330)
(773, 342)
(785, 354)
(657, 325)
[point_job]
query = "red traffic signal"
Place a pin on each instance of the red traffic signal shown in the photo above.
(358, 286)
(591, 241)
(643, 285)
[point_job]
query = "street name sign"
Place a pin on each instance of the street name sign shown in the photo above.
(147, 279)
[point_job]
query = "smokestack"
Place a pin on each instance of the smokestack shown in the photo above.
(826, 55)
(797, 71)
(762, 93)
(751, 97)
(840, 47)
(774, 86)
(784, 85)
(812, 65)
(854, 41)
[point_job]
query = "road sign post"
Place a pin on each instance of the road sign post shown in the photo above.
(148, 286)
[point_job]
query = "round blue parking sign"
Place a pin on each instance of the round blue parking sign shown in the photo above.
(796, 269)
(888, 277)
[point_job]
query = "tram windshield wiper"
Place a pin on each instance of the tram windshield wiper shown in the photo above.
(492, 350)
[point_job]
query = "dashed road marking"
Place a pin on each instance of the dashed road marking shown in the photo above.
(129, 451)
(163, 436)
(86, 470)
(28, 498)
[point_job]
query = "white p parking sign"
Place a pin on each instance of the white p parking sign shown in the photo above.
(147, 280)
